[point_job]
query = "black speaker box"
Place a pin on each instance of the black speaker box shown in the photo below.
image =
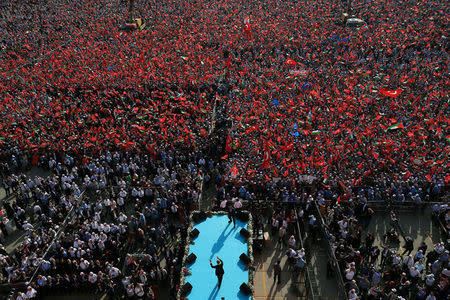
(191, 258)
(194, 233)
(244, 232)
(245, 289)
(186, 289)
(245, 259)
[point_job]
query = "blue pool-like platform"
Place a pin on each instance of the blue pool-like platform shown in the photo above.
(218, 238)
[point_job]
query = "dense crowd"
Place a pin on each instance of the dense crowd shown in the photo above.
(128, 90)
(371, 272)
(113, 205)
(272, 100)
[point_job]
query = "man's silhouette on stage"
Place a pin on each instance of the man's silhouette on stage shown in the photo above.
(232, 216)
(219, 269)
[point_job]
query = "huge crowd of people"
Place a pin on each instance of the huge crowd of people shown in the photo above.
(272, 100)
(396, 270)
(89, 217)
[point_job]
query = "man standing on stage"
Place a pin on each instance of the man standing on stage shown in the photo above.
(219, 269)
(231, 215)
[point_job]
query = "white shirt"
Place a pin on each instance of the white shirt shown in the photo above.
(349, 274)
(139, 290)
(414, 272)
(396, 260)
(31, 293)
(21, 296)
(122, 218)
(84, 265)
(113, 272)
(92, 278)
(408, 261)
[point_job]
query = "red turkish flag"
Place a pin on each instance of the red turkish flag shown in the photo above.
(234, 170)
(227, 145)
(291, 62)
(390, 93)
(266, 158)
(407, 175)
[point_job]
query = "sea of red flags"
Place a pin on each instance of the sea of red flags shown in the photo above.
(350, 105)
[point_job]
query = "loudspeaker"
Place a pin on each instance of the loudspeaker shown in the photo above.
(191, 258)
(245, 289)
(186, 289)
(242, 216)
(244, 232)
(199, 217)
(194, 233)
(245, 259)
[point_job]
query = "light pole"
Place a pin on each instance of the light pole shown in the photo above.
(132, 23)
(131, 12)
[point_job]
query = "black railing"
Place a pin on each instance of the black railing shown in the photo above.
(330, 254)
(310, 290)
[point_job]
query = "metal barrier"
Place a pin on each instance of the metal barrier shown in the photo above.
(70, 216)
(18, 286)
(310, 291)
(330, 253)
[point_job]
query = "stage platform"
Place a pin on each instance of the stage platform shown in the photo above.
(218, 238)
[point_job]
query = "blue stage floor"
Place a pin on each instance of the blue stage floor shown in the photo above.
(218, 238)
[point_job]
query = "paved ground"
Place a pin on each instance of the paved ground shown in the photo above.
(264, 285)
(416, 224)
(327, 287)
(16, 237)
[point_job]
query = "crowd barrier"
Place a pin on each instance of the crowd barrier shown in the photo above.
(21, 286)
(311, 291)
(330, 253)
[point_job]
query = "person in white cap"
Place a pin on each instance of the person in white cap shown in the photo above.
(414, 272)
(439, 248)
(31, 293)
(92, 277)
(352, 295)
(446, 272)
(396, 259)
(429, 280)
(444, 257)
(350, 273)
(114, 272)
(419, 265)
(408, 261)
(419, 255)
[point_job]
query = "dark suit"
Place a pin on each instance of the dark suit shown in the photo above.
(232, 216)
(219, 271)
